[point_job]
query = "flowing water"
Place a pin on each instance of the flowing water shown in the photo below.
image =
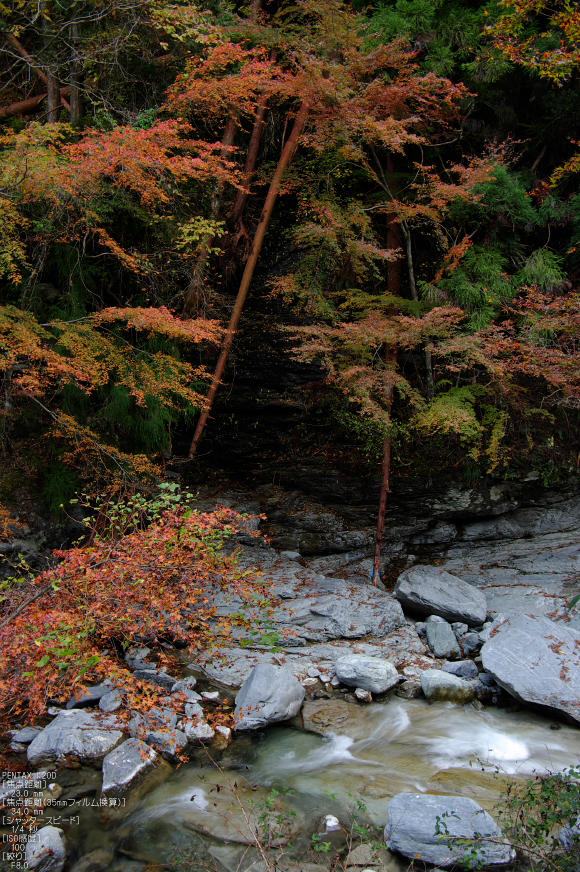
(203, 813)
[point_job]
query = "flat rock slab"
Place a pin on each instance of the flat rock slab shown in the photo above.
(416, 822)
(311, 607)
(126, 765)
(270, 694)
(76, 736)
(428, 590)
(536, 660)
(538, 575)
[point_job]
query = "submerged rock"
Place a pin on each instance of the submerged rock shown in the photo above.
(536, 660)
(445, 830)
(426, 590)
(443, 687)
(270, 694)
(75, 736)
(369, 673)
(46, 850)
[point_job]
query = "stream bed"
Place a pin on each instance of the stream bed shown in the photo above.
(283, 781)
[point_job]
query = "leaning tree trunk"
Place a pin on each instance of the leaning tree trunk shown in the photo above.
(285, 160)
(389, 395)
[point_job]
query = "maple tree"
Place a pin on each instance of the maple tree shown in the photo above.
(150, 574)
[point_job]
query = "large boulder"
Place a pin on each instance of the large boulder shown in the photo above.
(46, 850)
(445, 831)
(75, 736)
(444, 687)
(369, 673)
(270, 694)
(536, 660)
(127, 765)
(426, 590)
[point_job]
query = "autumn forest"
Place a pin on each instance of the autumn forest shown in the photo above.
(392, 187)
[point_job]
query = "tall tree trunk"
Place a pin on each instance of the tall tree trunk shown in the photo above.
(269, 203)
(390, 360)
(76, 70)
(52, 86)
(194, 293)
(34, 66)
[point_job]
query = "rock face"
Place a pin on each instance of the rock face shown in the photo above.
(75, 736)
(416, 822)
(426, 590)
(536, 660)
(47, 853)
(126, 765)
(368, 673)
(270, 694)
(444, 687)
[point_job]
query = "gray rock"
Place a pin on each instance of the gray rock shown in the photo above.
(369, 673)
(409, 689)
(426, 590)
(194, 710)
(126, 765)
(443, 687)
(184, 684)
(460, 629)
(46, 850)
(111, 701)
(170, 743)
(462, 668)
(441, 639)
(270, 694)
(291, 555)
(89, 697)
(26, 735)
(363, 695)
(167, 682)
(470, 644)
(75, 736)
(416, 821)
(197, 730)
(536, 660)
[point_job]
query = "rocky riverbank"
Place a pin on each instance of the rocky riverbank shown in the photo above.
(488, 625)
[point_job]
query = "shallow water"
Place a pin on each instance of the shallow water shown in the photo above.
(203, 814)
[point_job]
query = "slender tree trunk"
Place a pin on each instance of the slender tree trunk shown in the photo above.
(285, 159)
(393, 238)
(194, 293)
(76, 70)
(391, 360)
(237, 209)
(52, 87)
